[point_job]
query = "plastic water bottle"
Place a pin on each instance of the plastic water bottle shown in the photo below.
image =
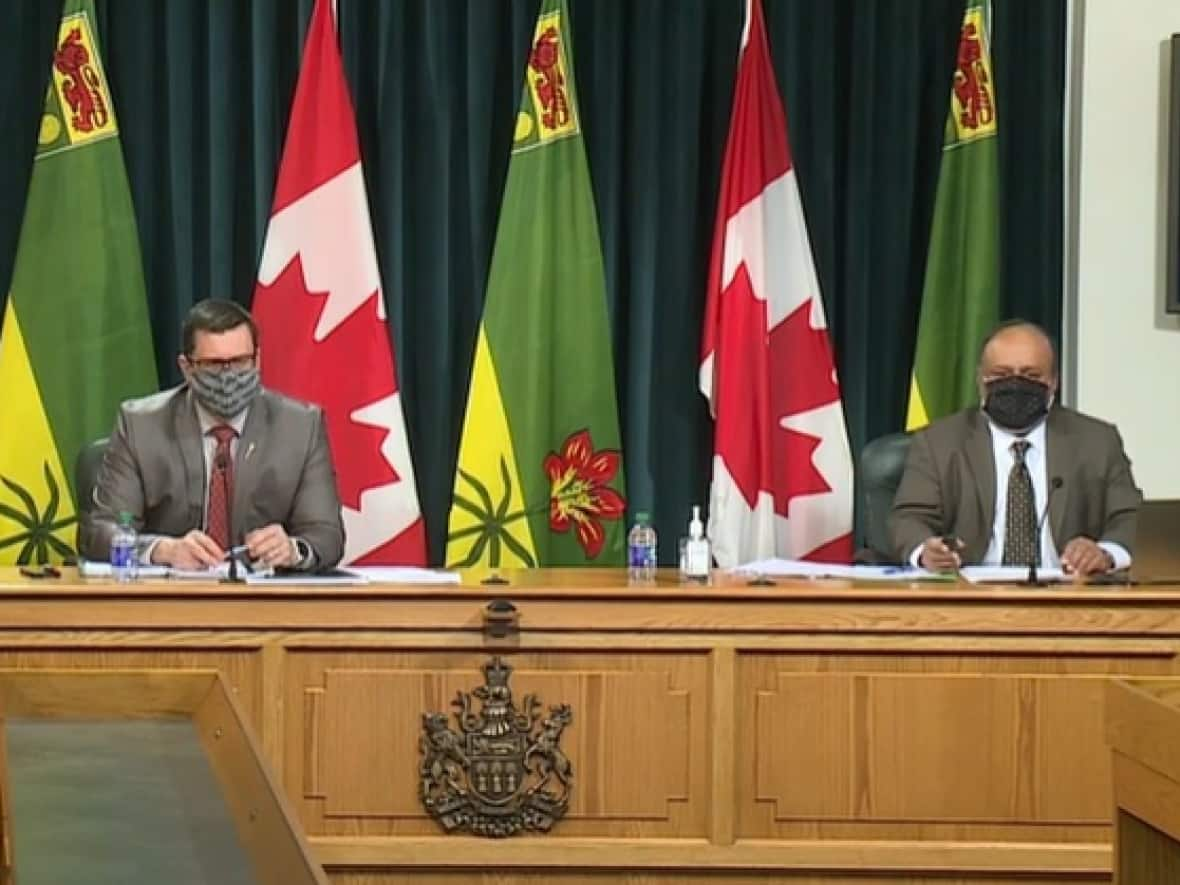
(641, 551)
(124, 557)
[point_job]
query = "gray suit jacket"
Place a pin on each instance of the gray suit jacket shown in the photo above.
(949, 484)
(154, 469)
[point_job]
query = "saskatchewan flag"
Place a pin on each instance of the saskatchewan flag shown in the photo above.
(960, 295)
(540, 475)
(75, 338)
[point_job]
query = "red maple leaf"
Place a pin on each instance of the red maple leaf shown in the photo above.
(408, 547)
(802, 378)
(350, 369)
(761, 379)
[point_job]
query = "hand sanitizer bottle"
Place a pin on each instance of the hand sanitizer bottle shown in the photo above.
(696, 551)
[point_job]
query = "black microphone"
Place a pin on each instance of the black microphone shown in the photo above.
(1054, 484)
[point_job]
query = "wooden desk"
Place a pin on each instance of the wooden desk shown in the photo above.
(813, 732)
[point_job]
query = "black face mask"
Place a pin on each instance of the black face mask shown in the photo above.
(1016, 403)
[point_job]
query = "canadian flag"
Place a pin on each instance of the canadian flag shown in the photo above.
(782, 469)
(321, 314)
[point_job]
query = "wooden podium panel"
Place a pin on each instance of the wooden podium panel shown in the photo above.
(807, 732)
(639, 735)
(924, 750)
(1143, 729)
(138, 776)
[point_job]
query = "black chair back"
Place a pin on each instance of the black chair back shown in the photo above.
(86, 468)
(882, 462)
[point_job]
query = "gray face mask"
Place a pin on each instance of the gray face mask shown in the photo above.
(225, 393)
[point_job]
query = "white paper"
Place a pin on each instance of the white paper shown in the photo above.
(88, 568)
(337, 577)
(792, 568)
(1010, 574)
(798, 568)
(897, 573)
(216, 573)
(399, 574)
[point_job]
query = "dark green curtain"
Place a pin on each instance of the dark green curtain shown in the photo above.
(203, 88)
(1031, 92)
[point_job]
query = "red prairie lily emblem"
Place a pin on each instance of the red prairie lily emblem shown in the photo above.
(579, 493)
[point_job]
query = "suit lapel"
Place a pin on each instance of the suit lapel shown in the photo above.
(192, 455)
(982, 463)
(246, 461)
(1058, 462)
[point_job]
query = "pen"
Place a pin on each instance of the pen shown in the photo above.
(44, 571)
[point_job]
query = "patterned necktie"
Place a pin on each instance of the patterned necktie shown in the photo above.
(221, 486)
(1020, 528)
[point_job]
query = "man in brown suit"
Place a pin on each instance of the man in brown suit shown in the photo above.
(977, 483)
(218, 462)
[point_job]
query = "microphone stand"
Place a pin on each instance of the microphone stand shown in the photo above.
(234, 574)
(1032, 579)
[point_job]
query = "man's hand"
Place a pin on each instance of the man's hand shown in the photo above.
(938, 556)
(1083, 557)
(271, 545)
(196, 550)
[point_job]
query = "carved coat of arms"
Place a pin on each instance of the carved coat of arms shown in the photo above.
(503, 771)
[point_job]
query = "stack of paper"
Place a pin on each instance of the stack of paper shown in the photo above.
(404, 574)
(216, 573)
(975, 574)
(337, 577)
(360, 575)
(353, 575)
(1009, 574)
(90, 569)
(798, 568)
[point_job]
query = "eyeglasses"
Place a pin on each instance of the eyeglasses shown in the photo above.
(1003, 374)
(239, 363)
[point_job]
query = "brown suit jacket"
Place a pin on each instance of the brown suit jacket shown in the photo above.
(154, 469)
(949, 484)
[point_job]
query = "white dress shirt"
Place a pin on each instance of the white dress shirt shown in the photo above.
(1035, 461)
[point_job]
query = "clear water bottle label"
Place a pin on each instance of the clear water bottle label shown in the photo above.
(122, 555)
(637, 555)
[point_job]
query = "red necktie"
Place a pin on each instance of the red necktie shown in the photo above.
(221, 486)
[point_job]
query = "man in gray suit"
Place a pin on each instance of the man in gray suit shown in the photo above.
(977, 484)
(218, 462)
